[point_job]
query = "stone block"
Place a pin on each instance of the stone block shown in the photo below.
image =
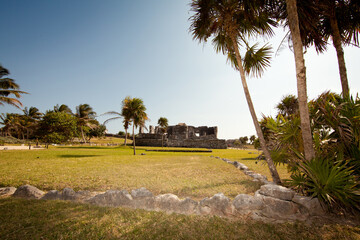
(52, 195)
(141, 193)
(218, 204)
(312, 205)
(280, 209)
(167, 202)
(245, 204)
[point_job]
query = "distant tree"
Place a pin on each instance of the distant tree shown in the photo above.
(126, 115)
(243, 140)
(57, 127)
(252, 139)
(98, 131)
(134, 109)
(163, 124)
(9, 90)
(85, 115)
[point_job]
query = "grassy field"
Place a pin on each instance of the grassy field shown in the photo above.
(194, 175)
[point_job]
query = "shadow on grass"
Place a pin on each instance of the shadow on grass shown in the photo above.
(249, 185)
(77, 156)
(90, 147)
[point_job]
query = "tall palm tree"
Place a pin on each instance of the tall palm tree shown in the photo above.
(9, 92)
(288, 106)
(230, 22)
(163, 123)
(301, 79)
(85, 115)
(134, 108)
(341, 21)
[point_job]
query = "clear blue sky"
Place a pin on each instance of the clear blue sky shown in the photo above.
(98, 52)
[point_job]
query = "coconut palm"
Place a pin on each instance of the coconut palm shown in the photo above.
(63, 108)
(134, 109)
(85, 115)
(230, 22)
(341, 22)
(31, 117)
(163, 124)
(9, 92)
(301, 78)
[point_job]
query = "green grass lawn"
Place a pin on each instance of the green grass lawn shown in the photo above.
(194, 175)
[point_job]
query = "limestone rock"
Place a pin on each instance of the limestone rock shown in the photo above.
(7, 191)
(113, 198)
(245, 204)
(188, 206)
(28, 191)
(143, 198)
(280, 209)
(52, 195)
(167, 202)
(218, 204)
(277, 191)
(68, 194)
(141, 193)
(312, 205)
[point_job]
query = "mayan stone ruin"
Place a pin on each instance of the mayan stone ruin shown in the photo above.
(181, 135)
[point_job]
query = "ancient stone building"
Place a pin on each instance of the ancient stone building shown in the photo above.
(182, 135)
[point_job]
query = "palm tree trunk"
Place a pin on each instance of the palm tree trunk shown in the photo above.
(134, 139)
(125, 136)
(301, 79)
(82, 134)
(274, 174)
(340, 53)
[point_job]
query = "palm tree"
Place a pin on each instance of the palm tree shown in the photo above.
(31, 118)
(63, 108)
(85, 115)
(134, 109)
(341, 21)
(230, 22)
(288, 106)
(8, 87)
(126, 116)
(163, 124)
(301, 79)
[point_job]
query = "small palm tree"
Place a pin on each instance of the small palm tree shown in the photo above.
(163, 124)
(134, 110)
(8, 88)
(31, 117)
(126, 116)
(85, 115)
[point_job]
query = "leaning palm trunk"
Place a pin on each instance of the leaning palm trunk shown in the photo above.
(272, 168)
(340, 54)
(301, 79)
(82, 134)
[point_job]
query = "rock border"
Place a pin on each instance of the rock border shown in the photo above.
(271, 203)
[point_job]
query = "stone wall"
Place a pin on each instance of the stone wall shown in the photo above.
(182, 135)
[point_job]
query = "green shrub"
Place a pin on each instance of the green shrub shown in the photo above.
(331, 181)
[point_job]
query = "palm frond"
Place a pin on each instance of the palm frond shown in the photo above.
(257, 60)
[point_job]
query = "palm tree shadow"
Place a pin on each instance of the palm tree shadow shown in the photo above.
(77, 156)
